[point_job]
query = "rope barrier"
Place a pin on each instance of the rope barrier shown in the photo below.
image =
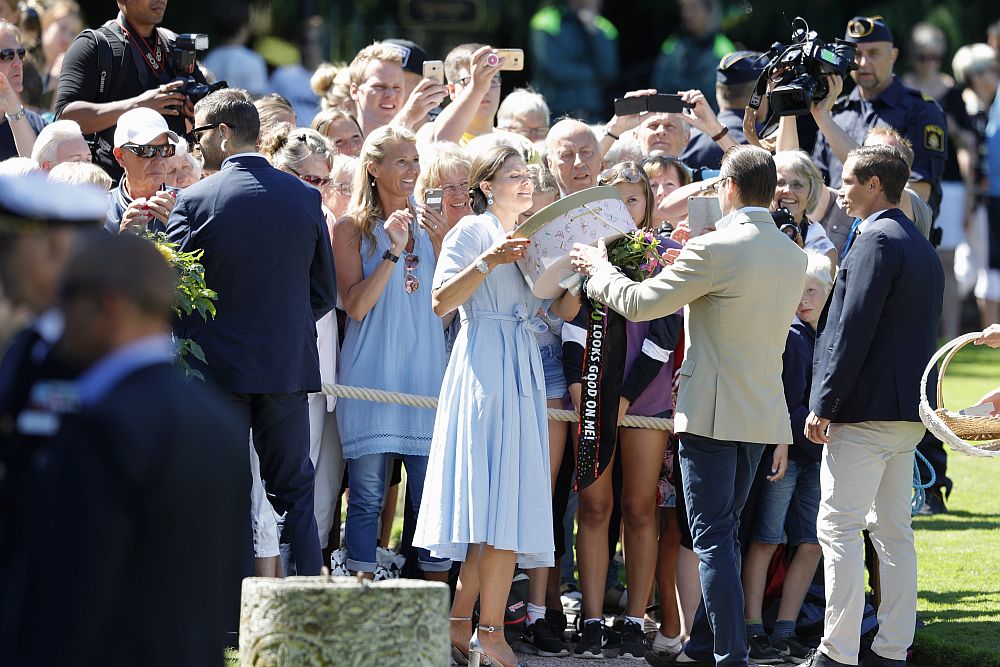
(431, 402)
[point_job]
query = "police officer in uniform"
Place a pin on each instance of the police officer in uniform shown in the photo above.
(880, 98)
(735, 80)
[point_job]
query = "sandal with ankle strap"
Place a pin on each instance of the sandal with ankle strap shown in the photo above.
(458, 656)
(477, 654)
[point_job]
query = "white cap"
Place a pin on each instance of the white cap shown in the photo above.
(140, 126)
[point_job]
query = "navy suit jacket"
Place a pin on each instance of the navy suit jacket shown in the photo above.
(267, 254)
(881, 327)
(152, 472)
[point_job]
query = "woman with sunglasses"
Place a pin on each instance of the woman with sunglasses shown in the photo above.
(18, 126)
(385, 263)
(798, 191)
(487, 499)
(646, 391)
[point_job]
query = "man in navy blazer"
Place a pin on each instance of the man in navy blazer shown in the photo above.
(880, 332)
(267, 254)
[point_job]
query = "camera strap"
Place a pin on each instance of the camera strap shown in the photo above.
(770, 123)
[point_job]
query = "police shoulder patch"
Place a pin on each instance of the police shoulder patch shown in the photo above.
(933, 138)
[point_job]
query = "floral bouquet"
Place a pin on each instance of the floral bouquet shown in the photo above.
(637, 255)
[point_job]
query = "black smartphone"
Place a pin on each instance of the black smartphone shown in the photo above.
(666, 104)
(630, 106)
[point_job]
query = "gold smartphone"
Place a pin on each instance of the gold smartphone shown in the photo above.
(513, 59)
(434, 70)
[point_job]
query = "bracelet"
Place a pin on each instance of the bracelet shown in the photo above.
(722, 133)
(16, 116)
(389, 256)
(608, 133)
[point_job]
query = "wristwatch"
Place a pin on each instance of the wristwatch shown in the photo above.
(13, 117)
(482, 266)
(389, 256)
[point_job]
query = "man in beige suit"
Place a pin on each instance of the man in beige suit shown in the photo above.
(741, 284)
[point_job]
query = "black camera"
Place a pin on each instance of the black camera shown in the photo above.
(800, 70)
(184, 59)
(785, 223)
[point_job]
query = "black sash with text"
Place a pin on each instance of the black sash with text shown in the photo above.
(603, 372)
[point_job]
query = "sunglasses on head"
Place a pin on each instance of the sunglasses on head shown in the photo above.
(318, 181)
(618, 175)
(7, 55)
(148, 151)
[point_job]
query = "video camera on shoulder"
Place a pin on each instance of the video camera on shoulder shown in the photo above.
(184, 59)
(800, 70)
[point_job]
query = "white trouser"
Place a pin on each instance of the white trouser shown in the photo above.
(866, 481)
(328, 460)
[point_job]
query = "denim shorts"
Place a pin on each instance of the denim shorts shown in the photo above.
(555, 380)
(788, 505)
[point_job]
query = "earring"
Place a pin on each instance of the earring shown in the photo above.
(489, 200)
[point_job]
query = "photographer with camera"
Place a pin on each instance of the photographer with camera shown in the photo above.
(880, 98)
(128, 63)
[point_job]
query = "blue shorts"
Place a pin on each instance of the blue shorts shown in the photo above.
(788, 505)
(555, 380)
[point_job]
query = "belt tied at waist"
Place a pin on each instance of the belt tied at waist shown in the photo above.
(528, 364)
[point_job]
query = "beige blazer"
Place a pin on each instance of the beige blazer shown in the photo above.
(742, 285)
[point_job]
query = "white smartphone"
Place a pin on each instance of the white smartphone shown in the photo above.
(702, 212)
(434, 70)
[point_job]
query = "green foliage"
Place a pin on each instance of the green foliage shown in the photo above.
(193, 295)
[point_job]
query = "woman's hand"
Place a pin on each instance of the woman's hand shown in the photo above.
(434, 223)
(681, 233)
(397, 226)
(779, 463)
(506, 251)
(623, 405)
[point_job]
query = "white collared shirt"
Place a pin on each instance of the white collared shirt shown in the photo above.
(871, 218)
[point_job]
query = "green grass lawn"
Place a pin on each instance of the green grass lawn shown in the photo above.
(959, 582)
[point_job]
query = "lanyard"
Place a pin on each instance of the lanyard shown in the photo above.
(152, 55)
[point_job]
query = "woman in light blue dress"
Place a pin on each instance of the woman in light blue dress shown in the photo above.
(385, 264)
(487, 495)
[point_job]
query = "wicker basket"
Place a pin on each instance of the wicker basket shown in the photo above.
(975, 436)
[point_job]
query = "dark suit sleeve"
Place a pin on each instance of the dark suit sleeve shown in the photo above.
(322, 277)
(868, 276)
(178, 224)
(795, 378)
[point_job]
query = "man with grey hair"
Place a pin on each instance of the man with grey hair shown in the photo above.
(573, 155)
(731, 404)
(58, 142)
(525, 112)
(261, 345)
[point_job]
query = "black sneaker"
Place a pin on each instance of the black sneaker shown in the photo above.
(540, 638)
(933, 503)
(557, 620)
(762, 652)
(634, 642)
(791, 649)
(597, 641)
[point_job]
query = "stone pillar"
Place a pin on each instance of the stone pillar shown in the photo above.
(344, 622)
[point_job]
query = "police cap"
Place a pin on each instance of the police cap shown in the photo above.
(740, 67)
(862, 29)
(32, 202)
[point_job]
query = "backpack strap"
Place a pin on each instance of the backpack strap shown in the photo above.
(110, 51)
